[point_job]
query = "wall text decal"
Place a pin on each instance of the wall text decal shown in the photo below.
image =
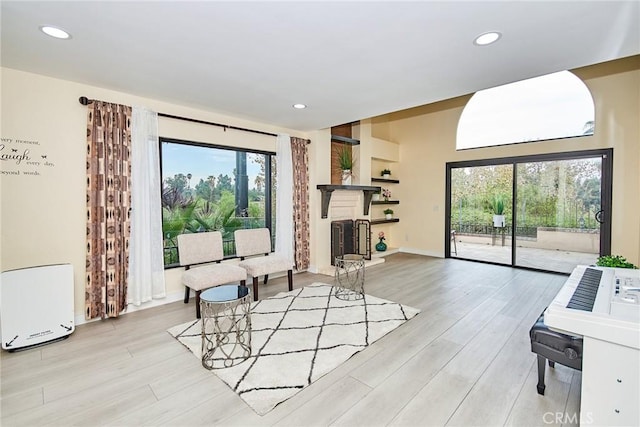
(23, 157)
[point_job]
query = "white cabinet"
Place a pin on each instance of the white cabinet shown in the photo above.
(610, 384)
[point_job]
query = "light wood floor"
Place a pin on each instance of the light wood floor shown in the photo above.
(465, 360)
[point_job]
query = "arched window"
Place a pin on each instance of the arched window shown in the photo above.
(557, 105)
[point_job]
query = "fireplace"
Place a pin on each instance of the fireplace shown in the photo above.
(350, 237)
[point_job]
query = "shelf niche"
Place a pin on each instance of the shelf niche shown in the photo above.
(327, 190)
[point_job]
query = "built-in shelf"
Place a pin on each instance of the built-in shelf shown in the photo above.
(385, 202)
(384, 221)
(345, 139)
(327, 190)
(388, 181)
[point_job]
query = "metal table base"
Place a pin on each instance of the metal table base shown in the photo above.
(226, 326)
(349, 277)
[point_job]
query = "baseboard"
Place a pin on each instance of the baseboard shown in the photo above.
(172, 297)
(421, 252)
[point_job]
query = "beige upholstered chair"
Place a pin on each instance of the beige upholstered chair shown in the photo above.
(257, 241)
(201, 248)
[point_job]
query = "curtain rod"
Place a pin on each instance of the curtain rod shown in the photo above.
(85, 101)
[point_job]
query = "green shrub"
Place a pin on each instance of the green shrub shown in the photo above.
(614, 261)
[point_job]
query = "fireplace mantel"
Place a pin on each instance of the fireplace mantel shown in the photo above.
(327, 190)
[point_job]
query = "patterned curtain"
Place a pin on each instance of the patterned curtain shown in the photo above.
(301, 235)
(108, 208)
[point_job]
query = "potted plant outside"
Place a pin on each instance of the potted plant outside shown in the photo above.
(498, 211)
(615, 261)
(385, 173)
(388, 213)
(345, 163)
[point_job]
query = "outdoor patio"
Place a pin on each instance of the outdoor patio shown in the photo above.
(544, 259)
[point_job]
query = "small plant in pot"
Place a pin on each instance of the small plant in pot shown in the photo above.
(388, 213)
(498, 211)
(385, 173)
(344, 156)
(381, 246)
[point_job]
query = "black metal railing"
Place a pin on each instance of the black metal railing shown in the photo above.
(489, 229)
(171, 255)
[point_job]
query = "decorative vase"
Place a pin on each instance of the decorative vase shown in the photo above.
(386, 176)
(381, 246)
(346, 177)
(375, 197)
(388, 216)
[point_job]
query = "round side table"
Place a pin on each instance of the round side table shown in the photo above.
(349, 277)
(226, 326)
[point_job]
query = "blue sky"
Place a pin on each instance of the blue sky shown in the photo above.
(201, 162)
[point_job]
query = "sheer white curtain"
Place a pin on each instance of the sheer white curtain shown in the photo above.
(284, 197)
(146, 265)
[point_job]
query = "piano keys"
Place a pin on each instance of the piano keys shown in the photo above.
(585, 294)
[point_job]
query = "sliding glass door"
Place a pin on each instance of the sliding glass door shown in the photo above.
(558, 209)
(547, 212)
(481, 206)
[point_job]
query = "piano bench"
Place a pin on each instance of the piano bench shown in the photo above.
(554, 347)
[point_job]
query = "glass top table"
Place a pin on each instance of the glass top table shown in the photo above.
(224, 293)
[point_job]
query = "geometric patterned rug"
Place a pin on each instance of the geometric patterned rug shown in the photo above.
(297, 337)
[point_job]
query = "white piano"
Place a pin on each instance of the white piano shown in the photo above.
(603, 305)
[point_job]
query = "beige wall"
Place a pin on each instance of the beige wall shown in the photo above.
(319, 173)
(42, 218)
(427, 136)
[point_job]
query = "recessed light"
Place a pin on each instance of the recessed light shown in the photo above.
(55, 32)
(299, 106)
(487, 38)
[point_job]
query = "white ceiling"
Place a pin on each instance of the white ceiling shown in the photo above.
(345, 60)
